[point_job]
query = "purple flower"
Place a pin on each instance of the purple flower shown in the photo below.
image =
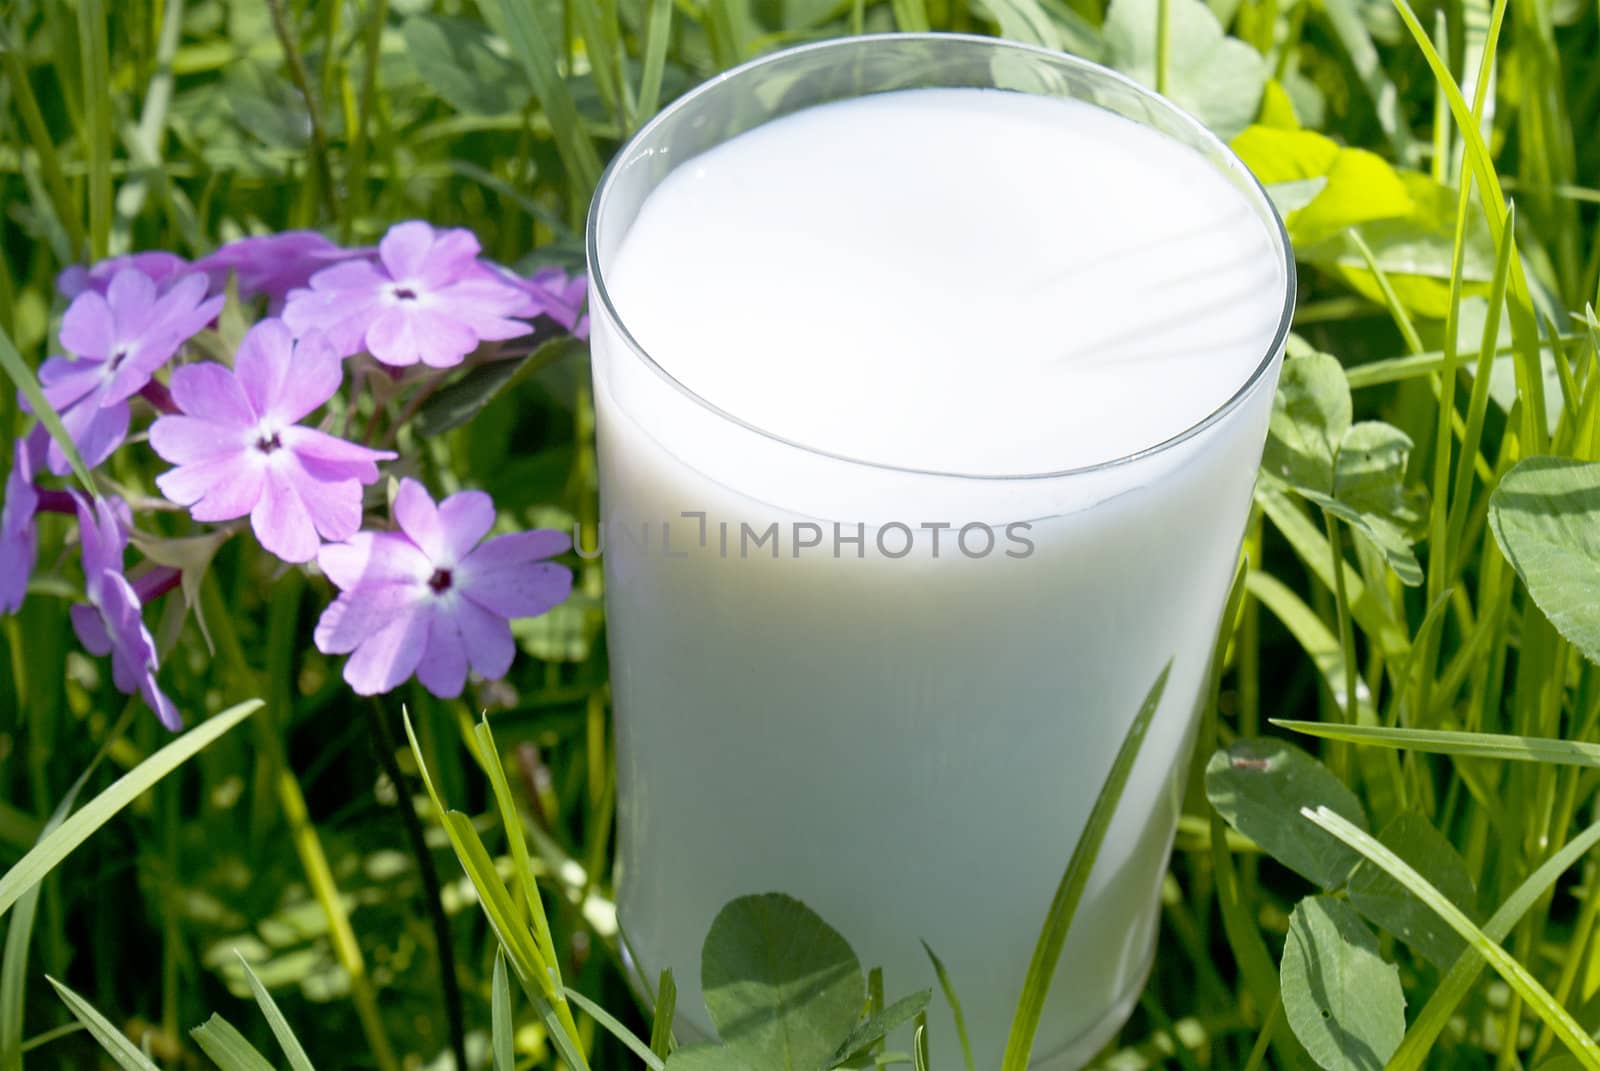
(273, 264)
(111, 622)
(425, 299)
(239, 447)
(19, 541)
(422, 600)
(552, 292)
(160, 267)
(120, 338)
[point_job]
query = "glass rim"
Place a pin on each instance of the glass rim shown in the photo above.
(598, 290)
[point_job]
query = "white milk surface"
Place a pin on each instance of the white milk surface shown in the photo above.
(957, 281)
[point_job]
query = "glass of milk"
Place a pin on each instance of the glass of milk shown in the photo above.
(931, 375)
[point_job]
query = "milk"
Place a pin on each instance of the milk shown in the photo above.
(866, 649)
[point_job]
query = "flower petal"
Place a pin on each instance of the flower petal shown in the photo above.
(490, 647)
(361, 613)
(65, 382)
(95, 431)
(210, 391)
(342, 315)
(326, 457)
(91, 629)
(404, 249)
(517, 548)
(262, 363)
(387, 658)
(186, 439)
(88, 328)
(281, 521)
(374, 558)
(464, 518)
(217, 489)
(132, 298)
(443, 666)
(334, 506)
(523, 591)
(418, 518)
(314, 374)
(158, 701)
(390, 339)
(443, 340)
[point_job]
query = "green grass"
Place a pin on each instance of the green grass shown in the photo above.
(1469, 699)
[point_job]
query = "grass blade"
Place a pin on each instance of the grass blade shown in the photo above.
(1524, 329)
(227, 1047)
(95, 60)
(112, 1040)
(615, 1028)
(1058, 920)
(1578, 1042)
(520, 22)
(955, 1005)
(657, 35)
(1456, 744)
(14, 969)
(666, 1011)
(1345, 18)
(39, 137)
(502, 1027)
(1436, 1014)
(19, 373)
(49, 852)
(292, 1050)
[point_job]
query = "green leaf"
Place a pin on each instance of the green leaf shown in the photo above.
(281, 1030)
(1218, 79)
(533, 37)
(460, 59)
(1294, 194)
(1392, 907)
(1458, 744)
(710, 1058)
(1058, 919)
(783, 988)
(1259, 787)
(1436, 1014)
(227, 1047)
(112, 1040)
(192, 555)
(947, 987)
(614, 1027)
(1025, 21)
(1515, 974)
(463, 399)
(878, 1026)
(1369, 474)
(502, 1027)
(666, 1010)
(27, 383)
(50, 850)
(1310, 415)
(1546, 518)
(1356, 186)
(1342, 1000)
(1391, 541)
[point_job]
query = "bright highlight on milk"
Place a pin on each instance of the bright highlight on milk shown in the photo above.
(957, 280)
(948, 311)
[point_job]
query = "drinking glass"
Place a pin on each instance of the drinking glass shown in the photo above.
(909, 744)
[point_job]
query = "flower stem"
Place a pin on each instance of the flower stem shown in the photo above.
(302, 82)
(159, 397)
(386, 747)
(156, 583)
